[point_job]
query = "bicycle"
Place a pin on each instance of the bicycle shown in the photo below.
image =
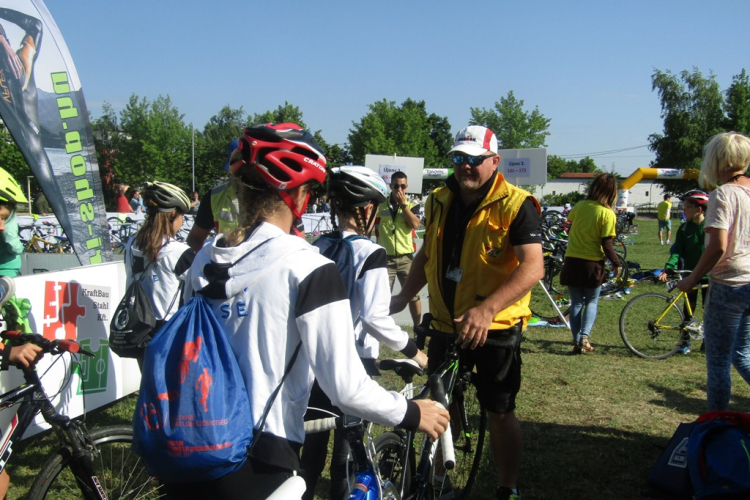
(92, 464)
(367, 480)
(550, 300)
(120, 232)
(448, 467)
(40, 240)
(653, 326)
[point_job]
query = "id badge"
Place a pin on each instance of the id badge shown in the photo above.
(454, 274)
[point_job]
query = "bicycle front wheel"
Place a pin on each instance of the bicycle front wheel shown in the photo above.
(651, 327)
(468, 426)
(393, 464)
(121, 473)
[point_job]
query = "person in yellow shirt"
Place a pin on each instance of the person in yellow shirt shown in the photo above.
(591, 234)
(664, 214)
(395, 232)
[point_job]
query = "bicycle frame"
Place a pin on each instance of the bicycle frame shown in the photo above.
(30, 400)
(453, 375)
(673, 303)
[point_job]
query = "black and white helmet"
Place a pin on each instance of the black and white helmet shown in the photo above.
(166, 196)
(355, 186)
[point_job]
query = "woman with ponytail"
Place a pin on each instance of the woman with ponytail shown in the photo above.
(154, 255)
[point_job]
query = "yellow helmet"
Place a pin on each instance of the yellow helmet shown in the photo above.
(10, 190)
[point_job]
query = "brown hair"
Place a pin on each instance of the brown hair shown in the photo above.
(603, 190)
(150, 237)
(344, 214)
(258, 201)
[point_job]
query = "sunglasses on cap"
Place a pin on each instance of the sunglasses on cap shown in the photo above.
(473, 161)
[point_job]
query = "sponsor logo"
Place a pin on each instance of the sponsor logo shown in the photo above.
(315, 163)
(70, 307)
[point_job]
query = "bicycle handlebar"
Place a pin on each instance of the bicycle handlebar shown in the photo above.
(48, 346)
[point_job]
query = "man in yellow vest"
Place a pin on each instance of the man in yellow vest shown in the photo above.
(218, 210)
(481, 257)
(395, 232)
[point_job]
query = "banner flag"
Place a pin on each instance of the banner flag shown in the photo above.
(42, 106)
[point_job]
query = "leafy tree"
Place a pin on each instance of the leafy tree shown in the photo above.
(737, 105)
(406, 130)
(107, 145)
(155, 143)
(692, 109)
(514, 127)
(212, 144)
(558, 200)
(287, 113)
(556, 166)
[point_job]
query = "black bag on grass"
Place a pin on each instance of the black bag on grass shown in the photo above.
(670, 472)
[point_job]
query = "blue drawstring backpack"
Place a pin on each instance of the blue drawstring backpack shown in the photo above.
(193, 418)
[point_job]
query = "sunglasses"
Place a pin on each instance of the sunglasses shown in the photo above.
(473, 161)
(399, 186)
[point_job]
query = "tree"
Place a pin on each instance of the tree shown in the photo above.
(737, 106)
(287, 113)
(406, 130)
(211, 146)
(155, 144)
(107, 144)
(514, 127)
(556, 166)
(692, 109)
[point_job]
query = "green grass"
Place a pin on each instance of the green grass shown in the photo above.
(593, 425)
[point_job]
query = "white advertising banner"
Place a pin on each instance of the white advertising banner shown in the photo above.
(75, 304)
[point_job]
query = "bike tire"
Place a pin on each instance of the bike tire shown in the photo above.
(643, 335)
(393, 465)
(540, 305)
(121, 472)
(468, 440)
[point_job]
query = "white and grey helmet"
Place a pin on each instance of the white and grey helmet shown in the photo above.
(355, 186)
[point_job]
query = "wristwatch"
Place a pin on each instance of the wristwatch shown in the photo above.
(402, 206)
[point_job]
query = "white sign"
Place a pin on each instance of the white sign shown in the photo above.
(523, 166)
(75, 304)
(386, 166)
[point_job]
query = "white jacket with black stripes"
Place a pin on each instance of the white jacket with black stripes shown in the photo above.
(371, 302)
(281, 293)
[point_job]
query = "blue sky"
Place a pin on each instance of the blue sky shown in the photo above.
(586, 65)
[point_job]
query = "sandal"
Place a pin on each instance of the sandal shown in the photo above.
(577, 349)
(586, 345)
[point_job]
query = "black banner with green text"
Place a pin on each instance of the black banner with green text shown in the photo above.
(42, 106)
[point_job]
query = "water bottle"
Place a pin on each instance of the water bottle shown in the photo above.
(364, 481)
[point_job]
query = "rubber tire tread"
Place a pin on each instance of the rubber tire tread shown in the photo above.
(58, 462)
(630, 306)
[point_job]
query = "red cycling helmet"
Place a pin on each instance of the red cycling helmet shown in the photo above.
(283, 154)
(696, 196)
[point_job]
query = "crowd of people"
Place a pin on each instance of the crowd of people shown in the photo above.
(480, 258)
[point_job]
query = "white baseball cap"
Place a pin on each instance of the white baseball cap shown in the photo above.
(475, 140)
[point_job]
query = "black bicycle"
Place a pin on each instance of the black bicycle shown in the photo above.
(448, 467)
(92, 464)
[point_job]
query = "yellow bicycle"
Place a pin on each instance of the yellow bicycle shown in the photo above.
(654, 326)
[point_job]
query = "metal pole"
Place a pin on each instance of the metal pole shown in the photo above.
(193, 154)
(28, 190)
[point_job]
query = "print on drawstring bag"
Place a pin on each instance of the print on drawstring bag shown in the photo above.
(193, 420)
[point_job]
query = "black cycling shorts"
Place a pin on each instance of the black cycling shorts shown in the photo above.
(494, 396)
